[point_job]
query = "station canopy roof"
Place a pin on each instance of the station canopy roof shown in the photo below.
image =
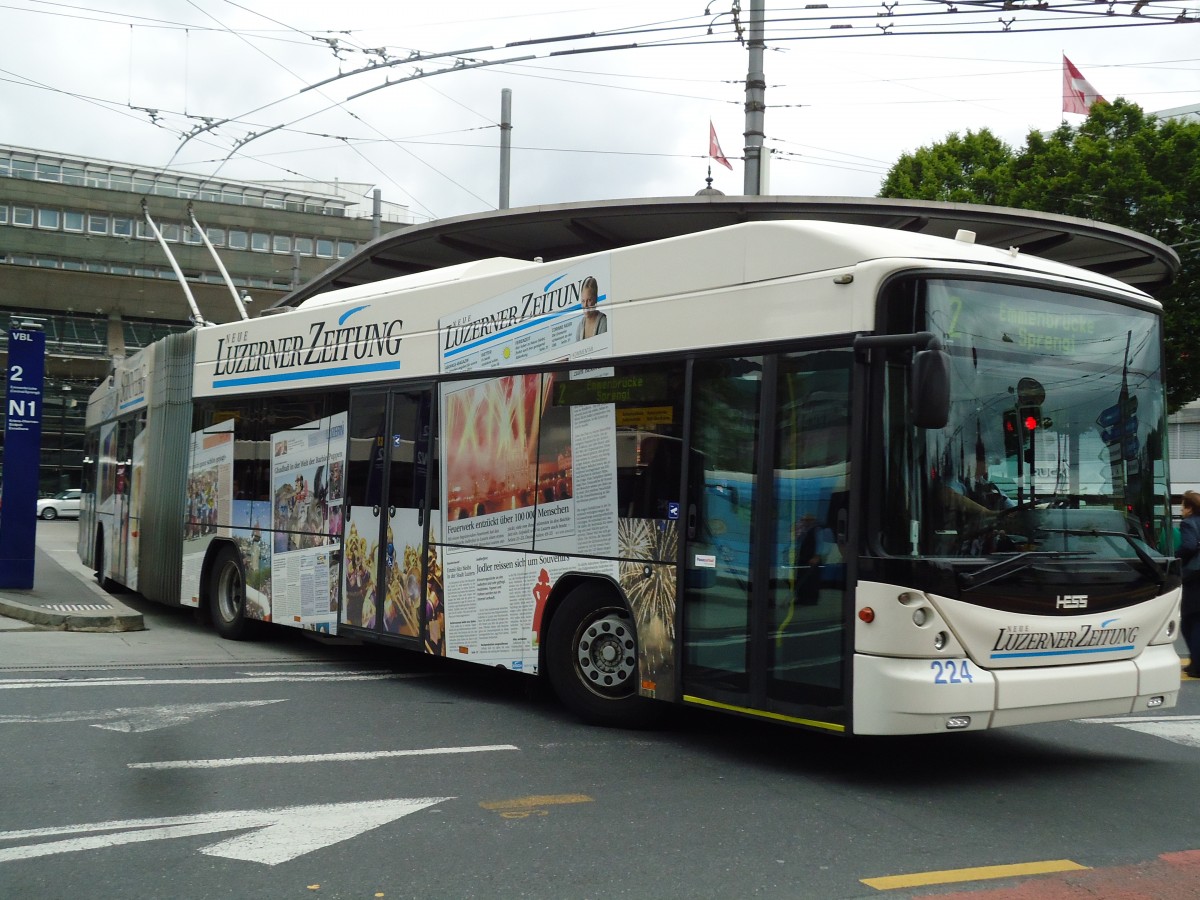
(575, 229)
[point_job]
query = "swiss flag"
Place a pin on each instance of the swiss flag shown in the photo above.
(1078, 93)
(714, 147)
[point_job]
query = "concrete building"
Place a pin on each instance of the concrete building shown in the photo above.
(79, 260)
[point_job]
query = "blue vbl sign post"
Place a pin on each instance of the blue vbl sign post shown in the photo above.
(22, 456)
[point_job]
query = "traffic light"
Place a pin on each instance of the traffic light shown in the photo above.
(1012, 433)
(1030, 418)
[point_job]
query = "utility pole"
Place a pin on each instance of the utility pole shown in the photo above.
(505, 145)
(756, 102)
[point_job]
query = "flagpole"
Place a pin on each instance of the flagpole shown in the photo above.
(756, 103)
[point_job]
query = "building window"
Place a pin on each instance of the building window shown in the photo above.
(97, 267)
(234, 197)
(73, 220)
(3, 215)
(191, 235)
(97, 224)
(260, 242)
(49, 172)
(22, 168)
(117, 270)
(49, 218)
(142, 272)
(210, 196)
(324, 248)
(170, 232)
(273, 203)
(345, 248)
(75, 265)
(281, 243)
(96, 179)
(216, 236)
(238, 240)
(47, 262)
(143, 185)
(304, 246)
(23, 215)
(72, 175)
(122, 227)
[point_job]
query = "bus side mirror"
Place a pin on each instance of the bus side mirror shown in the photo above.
(930, 389)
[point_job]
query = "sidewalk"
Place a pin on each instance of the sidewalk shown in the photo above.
(64, 598)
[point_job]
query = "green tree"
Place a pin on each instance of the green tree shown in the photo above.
(1121, 166)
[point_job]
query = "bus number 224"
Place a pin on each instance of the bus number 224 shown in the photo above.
(951, 672)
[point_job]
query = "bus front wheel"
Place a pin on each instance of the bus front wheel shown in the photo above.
(227, 596)
(591, 659)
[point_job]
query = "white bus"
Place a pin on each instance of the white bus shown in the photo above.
(837, 476)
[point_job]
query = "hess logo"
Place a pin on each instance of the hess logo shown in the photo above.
(1071, 601)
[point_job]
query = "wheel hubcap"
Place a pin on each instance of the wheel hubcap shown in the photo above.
(606, 653)
(229, 596)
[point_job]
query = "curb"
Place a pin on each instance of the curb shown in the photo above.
(118, 620)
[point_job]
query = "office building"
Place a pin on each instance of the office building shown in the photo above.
(79, 259)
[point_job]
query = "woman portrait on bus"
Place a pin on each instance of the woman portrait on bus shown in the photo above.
(593, 322)
(1189, 547)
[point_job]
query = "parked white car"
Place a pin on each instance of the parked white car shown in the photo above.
(64, 503)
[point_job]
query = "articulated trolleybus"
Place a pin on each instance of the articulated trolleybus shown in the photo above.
(831, 475)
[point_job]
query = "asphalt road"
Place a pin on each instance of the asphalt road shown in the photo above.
(171, 764)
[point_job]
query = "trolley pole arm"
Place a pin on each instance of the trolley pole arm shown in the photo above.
(197, 319)
(237, 300)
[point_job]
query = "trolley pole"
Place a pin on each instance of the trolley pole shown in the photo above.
(756, 101)
(505, 145)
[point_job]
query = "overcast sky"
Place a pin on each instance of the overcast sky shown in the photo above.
(130, 80)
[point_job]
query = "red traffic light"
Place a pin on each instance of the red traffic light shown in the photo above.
(1031, 423)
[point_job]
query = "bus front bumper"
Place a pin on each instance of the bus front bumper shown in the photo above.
(924, 696)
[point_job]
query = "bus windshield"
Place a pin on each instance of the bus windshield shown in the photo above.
(1054, 444)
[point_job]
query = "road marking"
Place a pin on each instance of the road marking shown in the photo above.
(357, 756)
(17, 684)
(1179, 729)
(276, 835)
(524, 807)
(978, 873)
(138, 718)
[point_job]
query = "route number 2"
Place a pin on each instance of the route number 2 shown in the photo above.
(951, 672)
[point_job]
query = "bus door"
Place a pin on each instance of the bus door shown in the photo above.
(765, 579)
(385, 528)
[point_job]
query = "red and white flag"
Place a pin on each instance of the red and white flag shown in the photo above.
(1078, 93)
(714, 147)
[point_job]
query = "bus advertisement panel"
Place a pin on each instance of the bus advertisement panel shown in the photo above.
(306, 519)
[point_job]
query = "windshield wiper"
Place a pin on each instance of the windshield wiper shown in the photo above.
(1160, 571)
(1014, 563)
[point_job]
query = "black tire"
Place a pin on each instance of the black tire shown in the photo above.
(227, 596)
(106, 583)
(49, 513)
(591, 660)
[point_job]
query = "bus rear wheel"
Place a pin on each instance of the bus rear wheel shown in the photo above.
(227, 596)
(591, 660)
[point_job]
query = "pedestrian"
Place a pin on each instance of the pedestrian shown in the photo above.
(1189, 552)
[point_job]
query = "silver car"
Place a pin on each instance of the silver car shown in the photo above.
(64, 503)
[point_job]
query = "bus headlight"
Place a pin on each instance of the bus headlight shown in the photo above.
(939, 640)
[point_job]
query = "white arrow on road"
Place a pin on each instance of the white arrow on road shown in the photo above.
(138, 718)
(276, 835)
(1180, 729)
